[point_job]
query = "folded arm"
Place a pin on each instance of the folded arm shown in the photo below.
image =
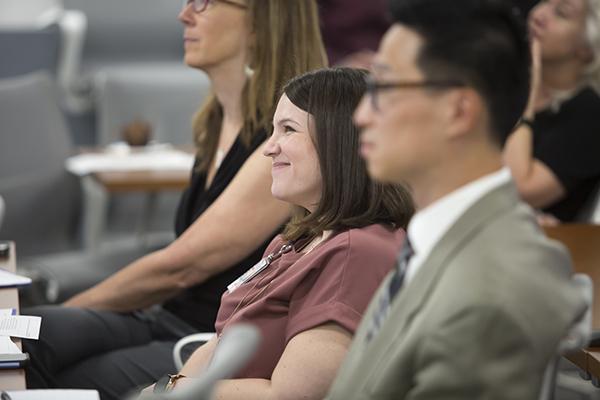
(305, 370)
(535, 181)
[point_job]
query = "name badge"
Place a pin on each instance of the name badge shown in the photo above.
(248, 275)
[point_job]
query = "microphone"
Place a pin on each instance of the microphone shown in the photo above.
(235, 348)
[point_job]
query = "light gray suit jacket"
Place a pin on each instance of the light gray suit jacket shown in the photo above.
(479, 320)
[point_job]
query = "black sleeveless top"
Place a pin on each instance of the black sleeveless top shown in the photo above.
(567, 141)
(199, 304)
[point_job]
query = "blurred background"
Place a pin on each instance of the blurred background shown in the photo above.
(96, 107)
(78, 74)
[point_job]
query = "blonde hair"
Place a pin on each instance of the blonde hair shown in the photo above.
(288, 43)
(592, 37)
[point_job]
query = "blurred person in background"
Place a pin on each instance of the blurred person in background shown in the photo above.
(352, 30)
(553, 153)
(100, 339)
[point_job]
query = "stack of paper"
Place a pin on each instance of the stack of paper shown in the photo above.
(46, 394)
(7, 346)
(8, 279)
(21, 326)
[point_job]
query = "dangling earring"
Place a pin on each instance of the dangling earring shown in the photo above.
(248, 71)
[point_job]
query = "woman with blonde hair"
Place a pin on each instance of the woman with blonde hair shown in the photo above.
(248, 49)
(553, 153)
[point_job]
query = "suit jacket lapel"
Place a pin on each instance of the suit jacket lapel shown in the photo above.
(413, 296)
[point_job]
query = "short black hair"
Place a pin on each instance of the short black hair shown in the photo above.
(481, 43)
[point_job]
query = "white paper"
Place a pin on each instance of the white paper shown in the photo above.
(8, 279)
(158, 160)
(7, 346)
(51, 394)
(4, 312)
(23, 326)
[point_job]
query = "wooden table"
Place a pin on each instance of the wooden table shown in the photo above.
(99, 186)
(11, 379)
(143, 181)
(583, 242)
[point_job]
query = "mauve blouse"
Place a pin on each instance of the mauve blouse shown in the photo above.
(332, 283)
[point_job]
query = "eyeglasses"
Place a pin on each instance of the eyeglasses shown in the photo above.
(373, 87)
(202, 5)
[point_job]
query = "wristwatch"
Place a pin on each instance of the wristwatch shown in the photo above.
(166, 383)
(527, 122)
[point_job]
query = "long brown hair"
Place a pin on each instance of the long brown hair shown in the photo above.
(349, 198)
(288, 43)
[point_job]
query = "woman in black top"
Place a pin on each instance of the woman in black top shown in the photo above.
(553, 154)
(248, 49)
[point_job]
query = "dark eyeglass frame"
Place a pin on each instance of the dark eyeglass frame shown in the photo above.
(205, 3)
(373, 87)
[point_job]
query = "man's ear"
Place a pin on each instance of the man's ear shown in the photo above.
(464, 111)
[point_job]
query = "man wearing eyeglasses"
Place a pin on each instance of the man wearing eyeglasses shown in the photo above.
(479, 298)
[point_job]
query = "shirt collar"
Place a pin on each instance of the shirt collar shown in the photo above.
(429, 224)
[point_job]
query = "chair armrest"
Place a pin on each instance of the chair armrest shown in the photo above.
(580, 333)
(73, 27)
(200, 338)
(1, 210)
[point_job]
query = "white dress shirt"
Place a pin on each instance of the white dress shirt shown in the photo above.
(428, 225)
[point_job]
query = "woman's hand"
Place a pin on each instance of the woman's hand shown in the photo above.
(536, 182)
(545, 220)
(536, 81)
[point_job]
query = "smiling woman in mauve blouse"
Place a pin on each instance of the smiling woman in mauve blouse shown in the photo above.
(332, 255)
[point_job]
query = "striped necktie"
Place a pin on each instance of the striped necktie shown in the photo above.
(386, 297)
